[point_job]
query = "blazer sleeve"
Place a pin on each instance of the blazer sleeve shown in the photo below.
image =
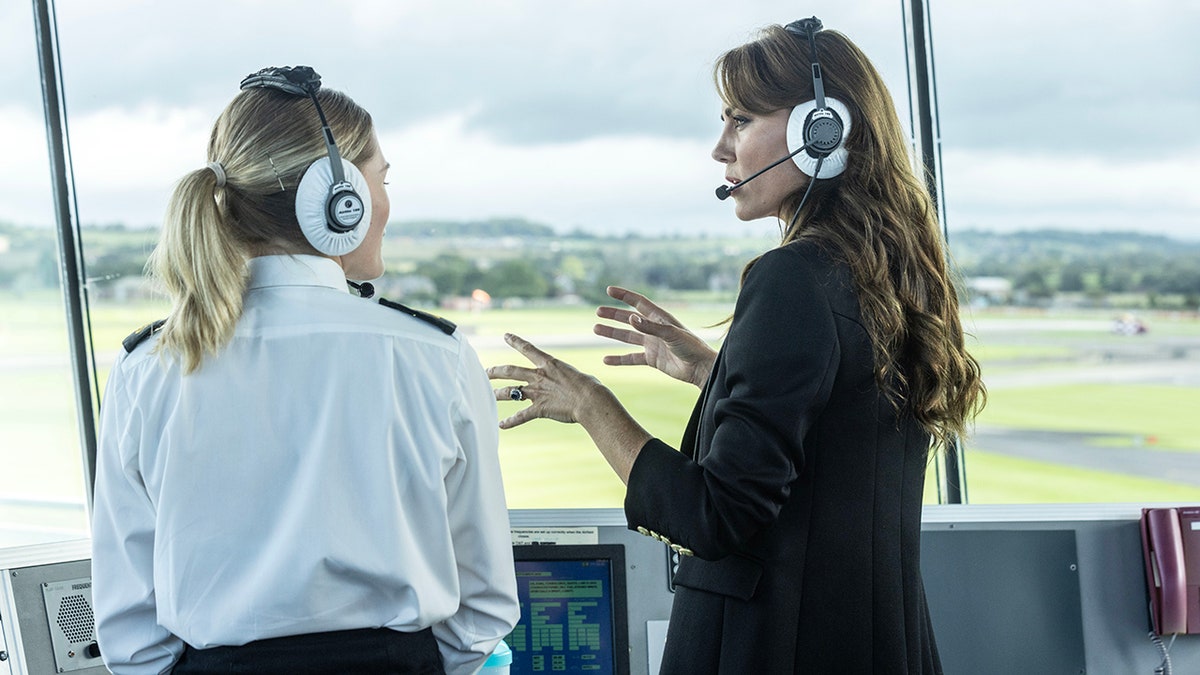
(778, 366)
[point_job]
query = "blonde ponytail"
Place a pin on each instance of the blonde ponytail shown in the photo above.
(202, 268)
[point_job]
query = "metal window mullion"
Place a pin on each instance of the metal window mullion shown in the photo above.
(69, 248)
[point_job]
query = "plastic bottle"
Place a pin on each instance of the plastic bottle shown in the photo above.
(500, 660)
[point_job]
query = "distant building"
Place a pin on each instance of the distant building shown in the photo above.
(477, 301)
(990, 291)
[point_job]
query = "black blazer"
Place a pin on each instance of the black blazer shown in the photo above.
(798, 490)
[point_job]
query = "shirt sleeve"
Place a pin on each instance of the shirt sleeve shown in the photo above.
(777, 366)
(479, 527)
(131, 640)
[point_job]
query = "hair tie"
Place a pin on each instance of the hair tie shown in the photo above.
(216, 168)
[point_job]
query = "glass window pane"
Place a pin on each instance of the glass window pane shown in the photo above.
(41, 480)
(1069, 154)
(574, 118)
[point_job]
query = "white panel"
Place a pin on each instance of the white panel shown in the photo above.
(9, 628)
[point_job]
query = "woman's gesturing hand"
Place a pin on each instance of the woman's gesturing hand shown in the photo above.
(557, 391)
(666, 344)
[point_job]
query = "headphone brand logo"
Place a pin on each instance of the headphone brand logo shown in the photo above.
(349, 212)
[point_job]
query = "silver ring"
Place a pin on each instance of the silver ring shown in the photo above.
(516, 394)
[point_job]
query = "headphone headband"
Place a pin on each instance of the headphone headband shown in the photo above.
(294, 80)
(343, 209)
(810, 25)
(808, 28)
(299, 81)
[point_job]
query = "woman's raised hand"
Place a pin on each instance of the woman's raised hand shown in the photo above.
(666, 344)
(556, 390)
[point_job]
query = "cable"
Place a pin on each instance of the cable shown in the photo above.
(811, 182)
(1163, 668)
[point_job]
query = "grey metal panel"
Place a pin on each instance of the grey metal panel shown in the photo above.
(36, 645)
(1005, 601)
(1112, 581)
(72, 624)
(646, 580)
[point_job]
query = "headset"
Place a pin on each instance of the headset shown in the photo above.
(329, 207)
(820, 125)
(817, 129)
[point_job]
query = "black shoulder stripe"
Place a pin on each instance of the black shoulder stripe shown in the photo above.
(135, 338)
(444, 325)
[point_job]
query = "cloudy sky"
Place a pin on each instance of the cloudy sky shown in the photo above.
(600, 113)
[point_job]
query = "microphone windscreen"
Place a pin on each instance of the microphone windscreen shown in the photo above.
(723, 192)
(366, 289)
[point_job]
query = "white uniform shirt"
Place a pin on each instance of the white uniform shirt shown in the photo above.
(334, 467)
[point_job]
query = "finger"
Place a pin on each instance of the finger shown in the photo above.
(642, 304)
(526, 348)
(651, 327)
(624, 294)
(631, 298)
(520, 417)
(508, 372)
(636, 359)
(614, 313)
(625, 335)
(506, 394)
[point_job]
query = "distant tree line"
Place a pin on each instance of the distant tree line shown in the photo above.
(1044, 263)
(493, 227)
(584, 274)
(453, 258)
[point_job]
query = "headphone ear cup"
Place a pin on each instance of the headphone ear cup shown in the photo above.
(312, 202)
(835, 162)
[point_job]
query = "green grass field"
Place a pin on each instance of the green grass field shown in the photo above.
(547, 464)
(999, 479)
(1157, 414)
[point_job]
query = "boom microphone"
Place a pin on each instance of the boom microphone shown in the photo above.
(724, 191)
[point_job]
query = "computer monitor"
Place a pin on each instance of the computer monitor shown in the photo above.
(574, 617)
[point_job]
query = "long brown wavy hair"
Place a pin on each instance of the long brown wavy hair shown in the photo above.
(877, 216)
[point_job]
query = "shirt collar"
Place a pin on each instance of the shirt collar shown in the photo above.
(296, 270)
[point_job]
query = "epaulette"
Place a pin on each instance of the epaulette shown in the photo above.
(445, 325)
(135, 338)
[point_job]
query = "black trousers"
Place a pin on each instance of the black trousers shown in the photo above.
(368, 651)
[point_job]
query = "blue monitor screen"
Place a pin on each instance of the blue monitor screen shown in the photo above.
(572, 611)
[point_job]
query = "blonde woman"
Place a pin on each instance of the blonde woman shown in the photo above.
(292, 478)
(795, 496)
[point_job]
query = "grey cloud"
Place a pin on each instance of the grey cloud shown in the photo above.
(1010, 74)
(1105, 82)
